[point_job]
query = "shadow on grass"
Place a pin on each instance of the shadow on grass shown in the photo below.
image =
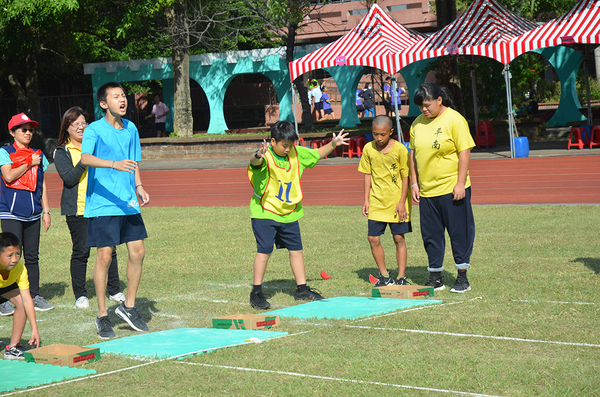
(285, 286)
(592, 263)
(417, 275)
(91, 288)
(145, 306)
(52, 290)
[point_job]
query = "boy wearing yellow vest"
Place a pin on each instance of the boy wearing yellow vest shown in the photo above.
(275, 208)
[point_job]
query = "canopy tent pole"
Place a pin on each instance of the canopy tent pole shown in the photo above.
(294, 110)
(474, 85)
(506, 73)
(395, 92)
(587, 85)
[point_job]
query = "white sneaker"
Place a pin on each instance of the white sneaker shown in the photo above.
(120, 297)
(82, 302)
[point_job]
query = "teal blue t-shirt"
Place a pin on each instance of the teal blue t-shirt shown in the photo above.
(111, 192)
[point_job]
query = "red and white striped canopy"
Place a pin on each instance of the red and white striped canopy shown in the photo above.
(483, 29)
(373, 42)
(580, 25)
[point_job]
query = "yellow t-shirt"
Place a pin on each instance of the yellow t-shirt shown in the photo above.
(436, 144)
(75, 153)
(18, 275)
(387, 171)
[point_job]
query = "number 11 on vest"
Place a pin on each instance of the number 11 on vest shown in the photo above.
(287, 191)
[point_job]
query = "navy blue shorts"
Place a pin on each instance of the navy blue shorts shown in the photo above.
(160, 126)
(283, 235)
(377, 228)
(319, 105)
(109, 231)
(4, 290)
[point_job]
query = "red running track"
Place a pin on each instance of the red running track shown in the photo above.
(541, 180)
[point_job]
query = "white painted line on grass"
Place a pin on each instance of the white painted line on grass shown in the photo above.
(142, 365)
(419, 331)
(417, 308)
(363, 382)
(568, 303)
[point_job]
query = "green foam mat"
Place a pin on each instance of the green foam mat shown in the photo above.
(350, 307)
(182, 341)
(21, 374)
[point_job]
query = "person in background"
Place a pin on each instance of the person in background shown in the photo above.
(368, 98)
(24, 206)
(160, 112)
(327, 109)
(67, 160)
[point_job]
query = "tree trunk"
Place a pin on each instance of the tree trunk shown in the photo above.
(183, 121)
(302, 91)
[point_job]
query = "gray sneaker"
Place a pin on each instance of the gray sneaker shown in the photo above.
(41, 305)
(14, 353)
(104, 327)
(132, 316)
(6, 309)
(118, 297)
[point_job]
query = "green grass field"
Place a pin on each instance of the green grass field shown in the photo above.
(529, 326)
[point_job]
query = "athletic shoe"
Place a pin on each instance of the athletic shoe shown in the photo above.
(258, 300)
(119, 297)
(402, 281)
(309, 294)
(14, 353)
(383, 281)
(104, 327)
(132, 316)
(82, 302)
(462, 284)
(41, 305)
(436, 282)
(6, 309)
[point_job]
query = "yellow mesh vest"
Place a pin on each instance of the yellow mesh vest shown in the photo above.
(283, 191)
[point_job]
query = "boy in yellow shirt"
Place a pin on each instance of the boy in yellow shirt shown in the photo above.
(14, 287)
(275, 208)
(385, 164)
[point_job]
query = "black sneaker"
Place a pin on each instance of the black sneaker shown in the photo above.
(383, 281)
(258, 300)
(14, 353)
(402, 281)
(104, 327)
(461, 285)
(132, 316)
(309, 294)
(436, 282)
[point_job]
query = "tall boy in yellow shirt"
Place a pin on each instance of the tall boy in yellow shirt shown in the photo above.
(385, 164)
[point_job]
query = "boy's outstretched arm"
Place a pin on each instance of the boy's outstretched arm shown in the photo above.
(414, 179)
(30, 312)
(89, 160)
(337, 140)
(139, 189)
(257, 157)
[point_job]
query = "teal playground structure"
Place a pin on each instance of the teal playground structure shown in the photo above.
(214, 73)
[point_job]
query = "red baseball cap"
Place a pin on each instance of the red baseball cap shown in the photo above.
(19, 119)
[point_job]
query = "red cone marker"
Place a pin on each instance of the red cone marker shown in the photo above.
(325, 276)
(372, 279)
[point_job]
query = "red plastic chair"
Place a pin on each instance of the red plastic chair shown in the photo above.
(578, 135)
(595, 136)
(355, 147)
(484, 135)
(316, 144)
(300, 142)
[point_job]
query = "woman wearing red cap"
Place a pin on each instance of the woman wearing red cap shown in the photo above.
(24, 199)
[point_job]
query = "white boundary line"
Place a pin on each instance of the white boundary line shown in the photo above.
(568, 303)
(418, 331)
(364, 382)
(416, 308)
(139, 366)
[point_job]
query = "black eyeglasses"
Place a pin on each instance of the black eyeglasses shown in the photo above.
(32, 130)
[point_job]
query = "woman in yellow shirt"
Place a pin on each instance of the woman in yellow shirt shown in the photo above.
(441, 143)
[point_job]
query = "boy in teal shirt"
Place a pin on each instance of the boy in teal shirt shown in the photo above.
(275, 171)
